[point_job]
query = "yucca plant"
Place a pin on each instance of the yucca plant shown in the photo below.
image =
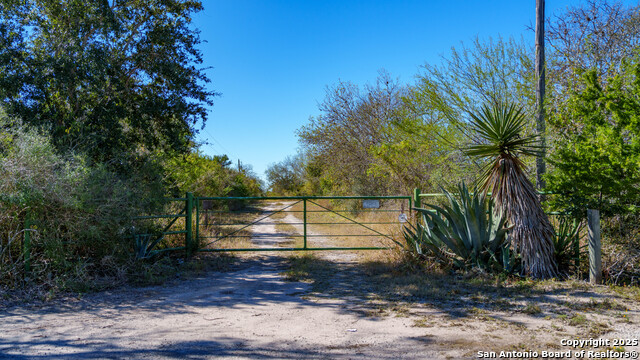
(501, 140)
(466, 233)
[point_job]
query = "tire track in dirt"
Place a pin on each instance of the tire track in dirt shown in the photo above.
(316, 239)
(247, 312)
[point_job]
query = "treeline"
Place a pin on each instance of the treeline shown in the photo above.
(98, 114)
(388, 137)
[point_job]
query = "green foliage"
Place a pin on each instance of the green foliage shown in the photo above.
(287, 177)
(596, 160)
(80, 214)
(372, 140)
(566, 243)
(209, 176)
(419, 151)
(387, 138)
(466, 233)
(499, 128)
(484, 72)
(344, 137)
(113, 80)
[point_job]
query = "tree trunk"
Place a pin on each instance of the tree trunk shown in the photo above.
(540, 76)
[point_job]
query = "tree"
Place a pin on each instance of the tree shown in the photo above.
(598, 165)
(483, 72)
(499, 128)
(486, 71)
(597, 34)
(112, 79)
(286, 177)
(223, 160)
(351, 125)
(209, 176)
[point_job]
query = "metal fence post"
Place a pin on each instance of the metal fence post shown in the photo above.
(187, 223)
(27, 245)
(416, 204)
(197, 238)
(595, 254)
(304, 215)
(416, 197)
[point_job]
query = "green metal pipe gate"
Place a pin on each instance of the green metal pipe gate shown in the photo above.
(236, 219)
(194, 237)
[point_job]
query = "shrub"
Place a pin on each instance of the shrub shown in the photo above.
(465, 233)
(79, 213)
(621, 249)
(566, 244)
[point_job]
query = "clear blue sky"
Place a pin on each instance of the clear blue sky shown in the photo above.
(272, 59)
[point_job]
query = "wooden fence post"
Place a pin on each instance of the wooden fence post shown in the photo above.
(595, 253)
(576, 246)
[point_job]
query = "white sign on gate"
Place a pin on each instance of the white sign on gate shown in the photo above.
(370, 204)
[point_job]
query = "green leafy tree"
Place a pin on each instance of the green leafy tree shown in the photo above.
(287, 177)
(485, 71)
(209, 176)
(482, 72)
(349, 127)
(113, 79)
(598, 164)
(499, 129)
(370, 141)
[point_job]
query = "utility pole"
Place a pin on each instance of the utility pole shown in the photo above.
(540, 89)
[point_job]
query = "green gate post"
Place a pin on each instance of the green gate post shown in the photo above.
(416, 203)
(187, 223)
(304, 215)
(197, 239)
(27, 245)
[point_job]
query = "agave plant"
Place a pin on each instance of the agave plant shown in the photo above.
(144, 245)
(466, 232)
(500, 129)
(566, 243)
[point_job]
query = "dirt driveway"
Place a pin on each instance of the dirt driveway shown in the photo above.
(340, 309)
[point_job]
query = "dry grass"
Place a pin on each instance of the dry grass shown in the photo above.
(479, 305)
(350, 228)
(227, 230)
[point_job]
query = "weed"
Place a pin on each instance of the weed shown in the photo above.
(474, 310)
(592, 305)
(423, 322)
(599, 328)
(577, 320)
(532, 309)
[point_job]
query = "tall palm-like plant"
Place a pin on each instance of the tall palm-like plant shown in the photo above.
(500, 129)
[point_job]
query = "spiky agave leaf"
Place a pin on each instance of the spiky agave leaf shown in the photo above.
(465, 231)
(500, 127)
